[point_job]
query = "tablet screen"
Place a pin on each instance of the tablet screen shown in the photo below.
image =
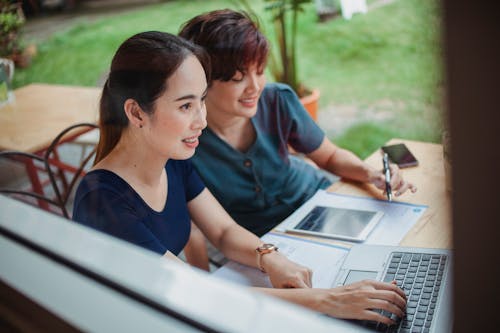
(336, 221)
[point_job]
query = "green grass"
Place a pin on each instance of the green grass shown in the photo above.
(390, 54)
(364, 138)
(82, 54)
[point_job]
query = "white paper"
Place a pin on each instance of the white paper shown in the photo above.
(324, 260)
(398, 219)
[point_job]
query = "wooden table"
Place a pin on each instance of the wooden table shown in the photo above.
(38, 114)
(434, 228)
(41, 111)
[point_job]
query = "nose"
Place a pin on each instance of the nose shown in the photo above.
(254, 82)
(200, 117)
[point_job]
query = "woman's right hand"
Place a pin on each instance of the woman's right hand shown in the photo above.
(358, 301)
(284, 273)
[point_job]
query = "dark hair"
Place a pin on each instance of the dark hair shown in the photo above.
(231, 38)
(139, 70)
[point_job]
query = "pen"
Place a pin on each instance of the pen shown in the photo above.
(387, 173)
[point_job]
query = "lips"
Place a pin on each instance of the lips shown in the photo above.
(192, 142)
(249, 101)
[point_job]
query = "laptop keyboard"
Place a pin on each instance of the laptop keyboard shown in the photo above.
(420, 276)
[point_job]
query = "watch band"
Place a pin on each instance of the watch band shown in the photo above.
(262, 250)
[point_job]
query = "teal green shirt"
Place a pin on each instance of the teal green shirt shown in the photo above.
(261, 187)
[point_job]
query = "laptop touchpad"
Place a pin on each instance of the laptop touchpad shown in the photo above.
(355, 276)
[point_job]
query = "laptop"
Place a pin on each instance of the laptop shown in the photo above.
(424, 274)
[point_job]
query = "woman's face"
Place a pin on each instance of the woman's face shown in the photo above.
(238, 96)
(179, 114)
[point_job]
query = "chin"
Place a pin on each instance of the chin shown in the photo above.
(184, 155)
(248, 112)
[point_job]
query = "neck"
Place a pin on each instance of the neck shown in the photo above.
(224, 124)
(238, 132)
(130, 160)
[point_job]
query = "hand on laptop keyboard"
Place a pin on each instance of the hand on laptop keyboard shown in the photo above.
(420, 276)
(358, 301)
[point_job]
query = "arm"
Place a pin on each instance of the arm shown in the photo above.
(354, 301)
(345, 164)
(304, 135)
(239, 244)
(196, 249)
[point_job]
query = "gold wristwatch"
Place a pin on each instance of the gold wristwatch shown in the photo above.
(264, 249)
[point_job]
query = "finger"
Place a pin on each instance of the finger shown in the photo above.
(377, 317)
(298, 283)
(387, 306)
(390, 287)
(388, 296)
(402, 187)
(309, 278)
(386, 292)
(395, 171)
(396, 178)
(379, 181)
(397, 289)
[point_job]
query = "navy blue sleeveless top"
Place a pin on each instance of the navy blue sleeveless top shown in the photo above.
(106, 202)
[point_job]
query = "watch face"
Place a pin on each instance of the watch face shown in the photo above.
(266, 248)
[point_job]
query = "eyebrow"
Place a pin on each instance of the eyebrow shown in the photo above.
(185, 97)
(191, 96)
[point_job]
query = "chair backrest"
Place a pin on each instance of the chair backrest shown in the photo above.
(61, 174)
(33, 165)
(58, 169)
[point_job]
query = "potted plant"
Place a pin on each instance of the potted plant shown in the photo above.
(11, 21)
(283, 58)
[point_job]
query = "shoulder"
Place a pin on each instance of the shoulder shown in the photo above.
(279, 101)
(101, 180)
(102, 194)
(277, 90)
(182, 174)
(102, 186)
(276, 96)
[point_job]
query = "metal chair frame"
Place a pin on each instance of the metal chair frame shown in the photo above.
(26, 158)
(51, 159)
(55, 170)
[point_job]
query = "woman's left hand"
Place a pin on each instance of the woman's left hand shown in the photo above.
(284, 273)
(398, 184)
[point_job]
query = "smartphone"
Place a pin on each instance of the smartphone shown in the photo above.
(401, 155)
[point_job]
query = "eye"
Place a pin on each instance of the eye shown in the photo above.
(186, 107)
(238, 77)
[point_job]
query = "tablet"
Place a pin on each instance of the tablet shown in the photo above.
(341, 223)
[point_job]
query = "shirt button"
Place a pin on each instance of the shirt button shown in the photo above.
(247, 163)
(257, 189)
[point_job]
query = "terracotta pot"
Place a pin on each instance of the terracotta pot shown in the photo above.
(310, 103)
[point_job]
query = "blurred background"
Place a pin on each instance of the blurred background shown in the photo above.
(379, 73)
